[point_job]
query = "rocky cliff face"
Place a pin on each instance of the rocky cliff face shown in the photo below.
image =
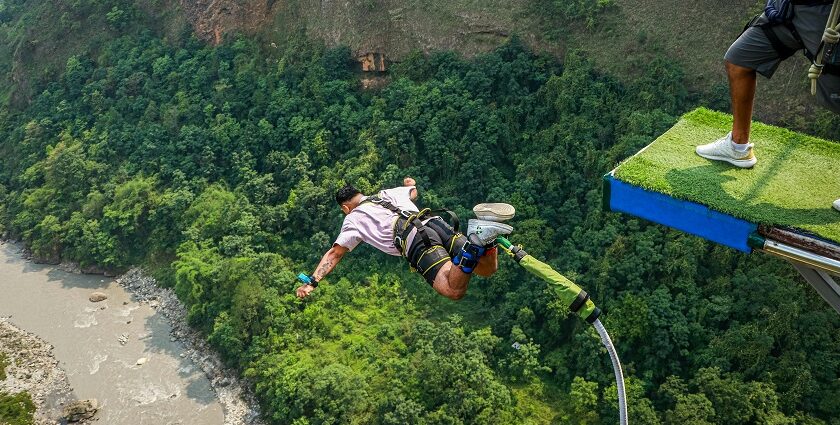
(695, 37)
(393, 27)
(211, 19)
(622, 37)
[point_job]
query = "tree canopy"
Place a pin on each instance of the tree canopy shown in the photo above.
(215, 167)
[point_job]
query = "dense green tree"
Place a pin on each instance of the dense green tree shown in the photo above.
(214, 167)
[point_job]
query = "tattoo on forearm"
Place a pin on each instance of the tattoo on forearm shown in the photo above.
(324, 269)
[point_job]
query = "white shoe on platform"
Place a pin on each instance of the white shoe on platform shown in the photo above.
(723, 150)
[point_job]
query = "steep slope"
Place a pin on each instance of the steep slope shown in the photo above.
(621, 37)
(37, 37)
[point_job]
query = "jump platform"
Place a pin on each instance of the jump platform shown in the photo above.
(782, 206)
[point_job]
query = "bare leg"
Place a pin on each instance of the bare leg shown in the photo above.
(451, 282)
(742, 83)
(488, 264)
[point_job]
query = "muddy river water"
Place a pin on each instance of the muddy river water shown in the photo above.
(99, 345)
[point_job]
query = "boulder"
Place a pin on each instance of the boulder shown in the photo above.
(97, 297)
(141, 361)
(92, 269)
(49, 259)
(80, 410)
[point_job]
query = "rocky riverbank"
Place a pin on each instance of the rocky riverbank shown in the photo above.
(240, 405)
(33, 368)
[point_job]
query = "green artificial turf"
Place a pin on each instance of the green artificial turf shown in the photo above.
(794, 183)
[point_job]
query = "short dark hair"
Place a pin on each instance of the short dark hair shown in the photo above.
(346, 193)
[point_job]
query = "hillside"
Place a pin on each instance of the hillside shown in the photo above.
(37, 37)
(620, 36)
(211, 161)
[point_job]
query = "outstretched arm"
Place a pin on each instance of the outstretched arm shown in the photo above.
(325, 266)
(329, 261)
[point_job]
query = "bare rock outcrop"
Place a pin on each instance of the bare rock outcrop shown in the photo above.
(211, 19)
(80, 410)
(33, 368)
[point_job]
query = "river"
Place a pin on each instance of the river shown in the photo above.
(53, 304)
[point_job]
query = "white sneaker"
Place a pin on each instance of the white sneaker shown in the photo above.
(487, 230)
(837, 205)
(722, 150)
(494, 212)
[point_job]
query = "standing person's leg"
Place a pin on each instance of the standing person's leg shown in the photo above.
(810, 22)
(828, 92)
(751, 54)
(828, 95)
(742, 82)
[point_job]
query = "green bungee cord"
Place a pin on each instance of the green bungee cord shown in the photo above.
(578, 301)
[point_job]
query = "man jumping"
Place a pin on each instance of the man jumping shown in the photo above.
(392, 223)
(786, 27)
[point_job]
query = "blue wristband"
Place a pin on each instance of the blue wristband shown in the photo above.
(308, 280)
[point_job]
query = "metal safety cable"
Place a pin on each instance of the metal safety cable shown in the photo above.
(619, 374)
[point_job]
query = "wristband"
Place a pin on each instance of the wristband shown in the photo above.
(308, 280)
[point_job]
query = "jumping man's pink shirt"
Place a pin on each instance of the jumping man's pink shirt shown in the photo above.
(373, 224)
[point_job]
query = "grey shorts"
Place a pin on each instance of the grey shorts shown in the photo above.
(755, 51)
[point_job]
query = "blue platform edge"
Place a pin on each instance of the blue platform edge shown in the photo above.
(685, 216)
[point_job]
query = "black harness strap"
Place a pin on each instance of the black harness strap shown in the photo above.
(413, 218)
(780, 47)
(421, 256)
(783, 50)
(456, 222)
(447, 234)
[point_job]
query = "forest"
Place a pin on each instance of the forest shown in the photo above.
(214, 168)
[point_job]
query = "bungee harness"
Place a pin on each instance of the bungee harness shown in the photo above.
(406, 222)
(422, 257)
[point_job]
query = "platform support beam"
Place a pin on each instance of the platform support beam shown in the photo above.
(825, 285)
